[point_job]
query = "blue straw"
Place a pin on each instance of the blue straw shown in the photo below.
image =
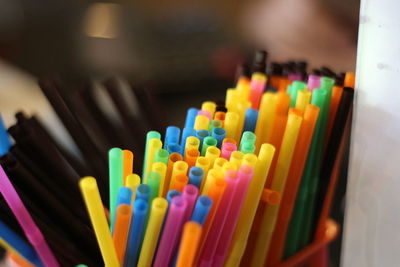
(250, 120)
(219, 134)
(172, 135)
(201, 209)
(5, 143)
(191, 117)
(124, 197)
(196, 176)
(187, 131)
(137, 229)
(173, 147)
(171, 194)
(143, 192)
(23, 248)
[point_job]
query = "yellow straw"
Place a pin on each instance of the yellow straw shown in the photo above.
(154, 145)
(158, 209)
(192, 142)
(212, 174)
(219, 163)
(161, 168)
(210, 107)
(201, 122)
(278, 184)
(230, 124)
(212, 153)
(204, 163)
(132, 181)
(179, 167)
(250, 159)
(247, 214)
(265, 119)
(236, 158)
(303, 99)
(95, 209)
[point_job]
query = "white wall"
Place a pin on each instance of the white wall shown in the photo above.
(372, 223)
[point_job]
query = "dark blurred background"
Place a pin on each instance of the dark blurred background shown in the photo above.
(185, 51)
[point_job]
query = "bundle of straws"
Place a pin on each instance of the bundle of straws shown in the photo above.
(243, 183)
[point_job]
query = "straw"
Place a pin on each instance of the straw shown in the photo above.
(172, 227)
(132, 181)
(127, 163)
(150, 135)
(196, 176)
(189, 244)
(95, 209)
(157, 214)
(121, 230)
(115, 158)
(201, 209)
(154, 145)
(154, 184)
(136, 231)
(161, 169)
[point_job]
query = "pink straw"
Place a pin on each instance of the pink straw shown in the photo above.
(190, 193)
(170, 235)
(313, 82)
(205, 113)
(257, 88)
(227, 149)
(31, 231)
(245, 174)
(218, 224)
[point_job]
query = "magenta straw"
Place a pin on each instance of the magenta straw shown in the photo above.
(295, 77)
(245, 174)
(218, 224)
(190, 193)
(313, 82)
(227, 149)
(170, 235)
(29, 227)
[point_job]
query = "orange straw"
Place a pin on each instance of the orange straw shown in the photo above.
(189, 244)
(19, 260)
(179, 182)
(128, 163)
(173, 157)
(335, 100)
(349, 79)
(121, 229)
(293, 181)
(191, 157)
(220, 116)
(229, 140)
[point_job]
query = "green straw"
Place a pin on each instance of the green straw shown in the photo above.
(115, 165)
(150, 135)
(161, 155)
(207, 142)
(247, 138)
(296, 226)
(153, 181)
(248, 148)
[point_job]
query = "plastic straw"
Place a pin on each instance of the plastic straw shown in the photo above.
(231, 123)
(95, 209)
(140, 209)
(294, 177)
(172, 228)
(191, 117)
(196, 176)
(174, 157)
(121, 230)
(189, 244)
(278, 184)
(157, 214)
(150, 135)
(154, 145)
(244, 176)
(154, 184)
(127, 163)
(115, 158)
(132, 181)
(201, 209)
(161, 169)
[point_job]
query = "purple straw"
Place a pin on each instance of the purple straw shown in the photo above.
(31, 231)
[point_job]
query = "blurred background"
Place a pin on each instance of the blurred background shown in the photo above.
(182, 52)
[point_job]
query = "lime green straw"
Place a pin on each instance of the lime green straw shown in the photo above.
(247, 138)
(150, 135)
(161, 155)
(248, 148)
(296, 226)
(153, 181)
(207, 142)
(115, 166)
